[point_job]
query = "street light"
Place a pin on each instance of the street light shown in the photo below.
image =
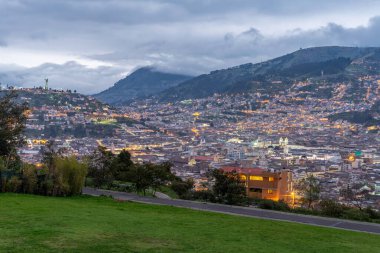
(293, 196)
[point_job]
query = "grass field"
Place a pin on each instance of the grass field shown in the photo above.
(88, 224)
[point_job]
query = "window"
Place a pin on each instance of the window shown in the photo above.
(271, 179)
(256, 190)
(243, 177)
(256, 178)
(270, 191)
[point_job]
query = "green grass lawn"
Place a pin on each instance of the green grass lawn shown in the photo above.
(88, 224)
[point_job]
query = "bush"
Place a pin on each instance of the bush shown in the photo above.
(273, 205)
(266, 204)
(356, 214)
(29, 179)
(182, 188)
(89, 181)
(306, 211)
(372, 213)
(331, 208)
(207, 196)
(69, 175)
(281, 206)
(14, 184)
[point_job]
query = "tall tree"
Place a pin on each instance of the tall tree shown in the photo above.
(12, 124)
(309, 189)
(162, 175)
(100, 166)
(141, 177)
(121, 165)
(228, 188)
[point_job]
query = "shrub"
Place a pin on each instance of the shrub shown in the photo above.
(372, 213)
(207, 196)
(273, 205)
(356, 214)
(29, 179)
(331, 208)
(182, 188)
(266, 204)
(306, 211)
(14, 184)
(69, 175)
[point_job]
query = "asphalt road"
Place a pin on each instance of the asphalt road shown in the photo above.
(243, 211)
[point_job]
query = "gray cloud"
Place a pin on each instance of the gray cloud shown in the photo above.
(70, 75)
(186, 36)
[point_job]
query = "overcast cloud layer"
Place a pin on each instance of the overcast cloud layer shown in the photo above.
(89, 44)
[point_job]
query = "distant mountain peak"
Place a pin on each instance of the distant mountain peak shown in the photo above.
(142, 82)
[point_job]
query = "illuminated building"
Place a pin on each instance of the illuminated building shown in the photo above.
(264, 184)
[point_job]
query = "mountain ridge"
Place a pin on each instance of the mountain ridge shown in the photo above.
(139, 84)
(277, 74)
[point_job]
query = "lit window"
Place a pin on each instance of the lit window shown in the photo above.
(271, 179)
(270, 191)
(243, 177)
(256, 178)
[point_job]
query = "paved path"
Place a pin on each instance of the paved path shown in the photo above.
(161, 195)
(243, 211)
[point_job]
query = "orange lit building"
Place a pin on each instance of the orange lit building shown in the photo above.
(264, 184)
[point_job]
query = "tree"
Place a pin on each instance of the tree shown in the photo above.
(141, 177)
(228, 188)
(121, 166)
(100, 166)
(182, 188)
(12, 124)
(29, 178)
(71, 174)
(355, 194)
(309, 189)
(161, 175)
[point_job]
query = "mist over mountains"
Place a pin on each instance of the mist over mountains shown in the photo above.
(270, 77)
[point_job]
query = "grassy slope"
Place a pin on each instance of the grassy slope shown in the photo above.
(88, 224)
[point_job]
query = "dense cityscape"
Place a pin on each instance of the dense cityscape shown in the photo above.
(286, 131)
(161, 126)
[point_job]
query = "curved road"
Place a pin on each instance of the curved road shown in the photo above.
(242, 211)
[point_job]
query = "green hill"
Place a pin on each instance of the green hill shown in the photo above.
(332, 63)
(88, 224)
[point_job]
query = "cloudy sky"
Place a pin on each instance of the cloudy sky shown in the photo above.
(89, 44)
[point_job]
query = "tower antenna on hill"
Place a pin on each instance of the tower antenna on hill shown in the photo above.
(46, 83)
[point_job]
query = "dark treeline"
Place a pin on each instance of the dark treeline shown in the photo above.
(119, 172)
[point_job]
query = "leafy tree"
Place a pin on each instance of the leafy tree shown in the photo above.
(161, 175)
(141, 177)
(309, 189)
(121, 166)
(228, 188)
(100, 166)
(12, 124)
(71, 174)
(182, 188)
